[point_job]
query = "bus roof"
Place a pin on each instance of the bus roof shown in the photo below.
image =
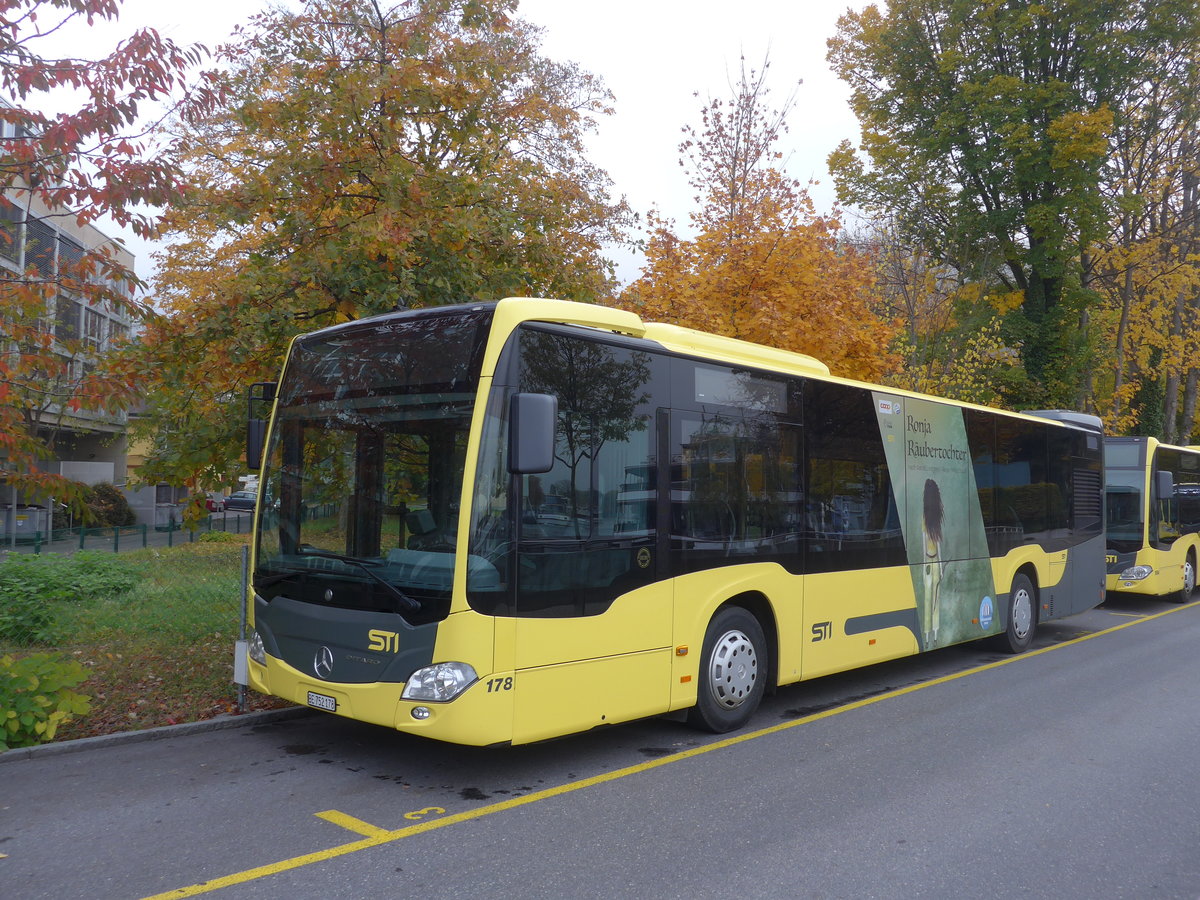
(511, 311)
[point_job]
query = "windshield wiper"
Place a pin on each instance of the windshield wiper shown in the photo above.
(265, 581)
(403, 601)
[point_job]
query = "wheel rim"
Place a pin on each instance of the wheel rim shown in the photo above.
(1189, 577)
(732, 669)
(1022, 612)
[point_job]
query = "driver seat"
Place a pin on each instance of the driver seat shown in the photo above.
(422, 530)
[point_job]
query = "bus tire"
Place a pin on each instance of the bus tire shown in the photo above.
(1022, 616)
(733, 672)
(1189, 579)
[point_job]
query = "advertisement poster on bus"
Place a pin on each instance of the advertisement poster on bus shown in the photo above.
(927, 452)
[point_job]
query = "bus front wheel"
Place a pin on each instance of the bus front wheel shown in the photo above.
(733, 672)
(1189, 579)
(1022, 616)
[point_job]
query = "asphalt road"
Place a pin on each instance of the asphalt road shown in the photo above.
(1065, 772)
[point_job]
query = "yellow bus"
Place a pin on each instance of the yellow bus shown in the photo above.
(500, 523)
(1152, 505)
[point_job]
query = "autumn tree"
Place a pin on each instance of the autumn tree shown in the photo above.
(985, 128)
(762, 265)
(371, 158)
(76, 166)
(1148, 267)
(950, 336)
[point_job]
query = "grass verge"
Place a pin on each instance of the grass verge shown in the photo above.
(158, 646)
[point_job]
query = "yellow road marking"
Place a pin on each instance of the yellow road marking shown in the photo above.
(1130, 615)
(358, 826)
(378, 837)
(418, 814)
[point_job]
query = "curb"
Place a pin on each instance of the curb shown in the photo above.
(217, 723)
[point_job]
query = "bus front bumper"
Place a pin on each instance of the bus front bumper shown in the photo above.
(482, 715)
(1160, 582)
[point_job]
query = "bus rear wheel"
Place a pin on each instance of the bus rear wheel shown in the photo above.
(1189, 579)
(1022, 616)
(733, 672)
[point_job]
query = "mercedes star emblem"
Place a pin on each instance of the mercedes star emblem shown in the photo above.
(323, 663)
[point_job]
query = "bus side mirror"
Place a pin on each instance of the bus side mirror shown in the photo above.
(1165, 485)
(533, 419)
(256, 425)
(256, 433)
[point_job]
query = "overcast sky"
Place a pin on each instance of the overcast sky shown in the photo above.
(654, 55)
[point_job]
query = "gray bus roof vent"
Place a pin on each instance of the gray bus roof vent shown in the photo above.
(1070, 417)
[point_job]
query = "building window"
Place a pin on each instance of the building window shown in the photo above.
(94, 327)
(70, 255)
(40, 241)
(11, 217)
(67, 319)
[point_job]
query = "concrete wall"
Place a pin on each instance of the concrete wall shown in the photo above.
(144, 503)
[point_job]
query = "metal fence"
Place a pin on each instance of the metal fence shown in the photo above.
(126, 537)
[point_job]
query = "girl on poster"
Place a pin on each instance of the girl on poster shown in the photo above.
(931, 534)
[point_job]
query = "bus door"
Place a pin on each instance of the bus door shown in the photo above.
(593, 613)
(860, 604)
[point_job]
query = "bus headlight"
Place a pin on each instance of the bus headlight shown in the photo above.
(258, 652)
(1136, 573)
(440, 682)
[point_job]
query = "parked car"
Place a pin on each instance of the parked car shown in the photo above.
(214, 504)
(241, 500)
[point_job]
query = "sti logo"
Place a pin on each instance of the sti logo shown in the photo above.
(889, 407)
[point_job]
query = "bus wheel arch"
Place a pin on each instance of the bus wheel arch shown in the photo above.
(1021, 620)
(735, 667)
(1189, 577)
(760, 607)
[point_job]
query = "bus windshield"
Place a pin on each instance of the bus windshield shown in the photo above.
(363, 476)
(1123, 502)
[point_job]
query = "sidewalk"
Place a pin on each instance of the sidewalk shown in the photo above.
(217, 723)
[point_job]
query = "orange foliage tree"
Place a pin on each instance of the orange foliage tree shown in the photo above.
(762, 265)
(92, 160)
(371, 157)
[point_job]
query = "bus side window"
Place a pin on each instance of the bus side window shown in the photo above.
(735, 490)
(1164, 515)
(1060, 488)
(1020, 479)
(981, 437)
(851, 514)
(1187, 492)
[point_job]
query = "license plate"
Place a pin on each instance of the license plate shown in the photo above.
(321, 701)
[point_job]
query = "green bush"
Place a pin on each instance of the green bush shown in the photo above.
(31, 585)
(220, 537)
(109, 506)
(184, 594)
(101, 574)
(36, 697)
(80, 576)
(25, 618)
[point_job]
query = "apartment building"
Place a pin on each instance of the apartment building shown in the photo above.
(87, 446)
